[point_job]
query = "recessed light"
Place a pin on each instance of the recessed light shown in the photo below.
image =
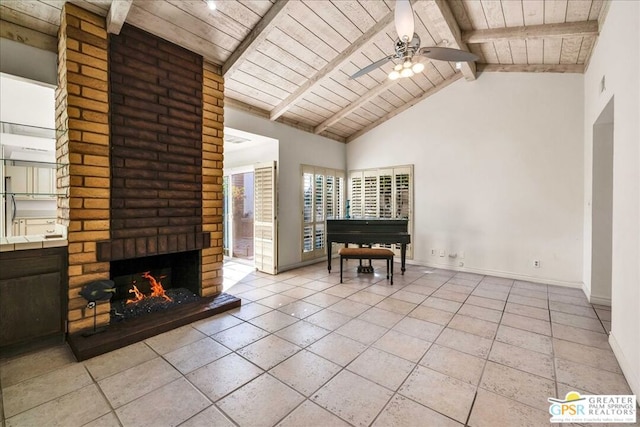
(211, 4)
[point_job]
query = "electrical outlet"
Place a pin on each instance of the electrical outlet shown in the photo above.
(536, 263)
(461, 254)
(441, 252)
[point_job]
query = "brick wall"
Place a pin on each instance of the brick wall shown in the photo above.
(156, 147)
(83, 147)
(212, 158)
(148, 180)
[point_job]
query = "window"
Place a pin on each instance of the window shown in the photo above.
(382, 193)
(322, 198)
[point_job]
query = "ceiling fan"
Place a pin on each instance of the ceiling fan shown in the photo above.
(407, 47)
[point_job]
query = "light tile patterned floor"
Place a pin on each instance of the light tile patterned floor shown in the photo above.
(436, 348)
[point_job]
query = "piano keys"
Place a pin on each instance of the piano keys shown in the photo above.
(369, 232)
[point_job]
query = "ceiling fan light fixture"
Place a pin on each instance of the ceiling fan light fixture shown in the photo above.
(398, 68)
(418, 67)
(394, 75)
(407, 72)
(407, 64)
(404, 20)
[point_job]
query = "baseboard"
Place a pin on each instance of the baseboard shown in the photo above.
(486, 272)
(499, 273)
(627, 368)
(600, 300)
(283, 268)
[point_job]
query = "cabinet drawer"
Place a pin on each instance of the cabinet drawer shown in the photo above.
(40, 229)
(41, 221)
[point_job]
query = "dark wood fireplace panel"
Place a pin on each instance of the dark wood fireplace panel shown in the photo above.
(156, 148)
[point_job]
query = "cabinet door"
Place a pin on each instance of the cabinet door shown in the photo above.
(21, 179)
(19, 228)
(30, 307)
(44, 182)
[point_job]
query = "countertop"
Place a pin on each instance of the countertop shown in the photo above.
(34, 241)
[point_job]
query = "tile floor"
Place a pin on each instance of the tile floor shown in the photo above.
(436, 348)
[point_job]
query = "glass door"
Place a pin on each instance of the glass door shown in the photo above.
(226, 217)
(238, 215)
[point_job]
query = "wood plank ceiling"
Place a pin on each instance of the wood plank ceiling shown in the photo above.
(290, 60)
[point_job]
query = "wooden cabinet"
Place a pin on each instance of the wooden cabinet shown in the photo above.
(44, 182)
(28, 227)
(19, 227)
(32, 298)
(32, 181)
(40, 226)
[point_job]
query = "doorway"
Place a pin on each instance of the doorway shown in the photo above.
(602, 207)
(238, 188)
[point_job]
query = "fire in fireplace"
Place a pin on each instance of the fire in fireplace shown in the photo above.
(156, 289)
(152, 284)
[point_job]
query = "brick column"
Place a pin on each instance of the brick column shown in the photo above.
(212, 157)
(82, 124)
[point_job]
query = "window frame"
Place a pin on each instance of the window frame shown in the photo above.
(368, 183)
(317, 222)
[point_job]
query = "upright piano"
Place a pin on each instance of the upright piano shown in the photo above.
(369, 232)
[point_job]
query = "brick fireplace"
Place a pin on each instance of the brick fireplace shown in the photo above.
(139, 124)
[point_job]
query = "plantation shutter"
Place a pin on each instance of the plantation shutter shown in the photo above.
(319, 207)
(383, 193)
(385, 197)
(356, 195)
(339, 196)
(370, 194)
(403, 193)
(322, 198)
(265, 220)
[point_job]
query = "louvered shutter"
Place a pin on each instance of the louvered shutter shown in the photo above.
(370, 194)
(322, 198)
(356, 195)
(265, 221)
(383, 193)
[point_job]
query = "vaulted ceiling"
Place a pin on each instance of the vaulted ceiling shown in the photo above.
(290, 60)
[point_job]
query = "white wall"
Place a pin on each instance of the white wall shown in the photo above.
(498, 174)
(251, 154)
(26, 102)
(599, 287)
(295, 148)
(252, 149)
(616, 56)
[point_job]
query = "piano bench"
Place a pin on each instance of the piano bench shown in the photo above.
(368, 253)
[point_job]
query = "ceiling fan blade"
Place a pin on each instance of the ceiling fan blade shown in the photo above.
(404, 20)
(371, 67)
(447, 54)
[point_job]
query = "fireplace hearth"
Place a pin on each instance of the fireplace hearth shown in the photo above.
(130, 331)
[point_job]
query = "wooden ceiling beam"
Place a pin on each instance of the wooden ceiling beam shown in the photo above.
(448, 28)
(335, 64)
(409, 104)
(256, 36)
(242, 106)
(33, 38)
(117, 15)
(355, 105)
(532, 32)
(532, 68)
